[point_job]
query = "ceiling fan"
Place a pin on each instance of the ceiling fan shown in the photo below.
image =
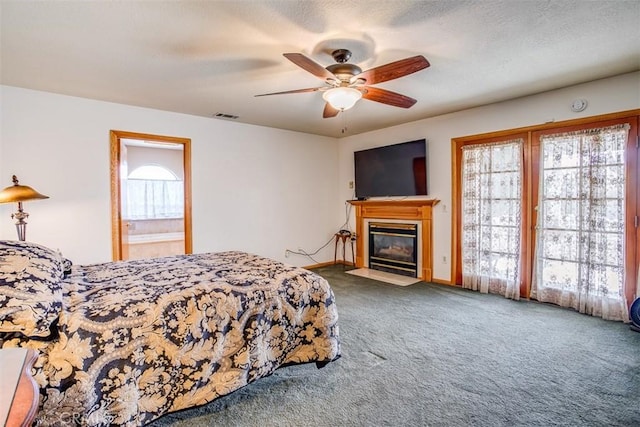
(347, 83)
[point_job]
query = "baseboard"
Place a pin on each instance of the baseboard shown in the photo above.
(443, 282)
(328, 263)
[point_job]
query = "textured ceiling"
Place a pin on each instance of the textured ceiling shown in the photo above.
(208, 57)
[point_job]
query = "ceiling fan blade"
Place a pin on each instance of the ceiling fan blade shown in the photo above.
(394, 70)
(386, 97)
(311, 66)
(329, 111)
(311, 89)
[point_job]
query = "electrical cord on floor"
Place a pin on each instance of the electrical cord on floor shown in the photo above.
(344, 226)
(310, 255)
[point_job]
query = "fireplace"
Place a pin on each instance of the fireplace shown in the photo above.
(393, 247)
(417, 211)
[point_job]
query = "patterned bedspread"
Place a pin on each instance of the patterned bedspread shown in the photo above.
(138, 339)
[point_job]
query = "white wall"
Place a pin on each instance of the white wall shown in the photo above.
(254, 188)
(167, 158)
(610, 95)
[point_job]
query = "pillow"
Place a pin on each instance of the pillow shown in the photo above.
(30, 288)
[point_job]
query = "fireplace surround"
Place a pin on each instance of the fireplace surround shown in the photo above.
(417, 211)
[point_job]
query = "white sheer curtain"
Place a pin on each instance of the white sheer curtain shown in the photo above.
(154, 198)
(491, 217)
(581, 222)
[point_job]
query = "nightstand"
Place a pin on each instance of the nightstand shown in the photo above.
(19, 391)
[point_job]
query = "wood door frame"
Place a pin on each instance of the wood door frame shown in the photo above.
(456, 228)
(531, 151)
(116, 205)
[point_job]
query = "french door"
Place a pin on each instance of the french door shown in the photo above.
(578, 234)
(491, 217)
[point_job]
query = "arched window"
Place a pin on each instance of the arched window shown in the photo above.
(153, 172)
(154, 192)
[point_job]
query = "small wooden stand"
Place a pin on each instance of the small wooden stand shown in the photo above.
(343, 236)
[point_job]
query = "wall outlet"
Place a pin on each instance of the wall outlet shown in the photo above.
(350, 185)
(444, 259)
(286, 253)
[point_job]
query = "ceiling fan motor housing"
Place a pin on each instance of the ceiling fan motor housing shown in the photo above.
(342, 70)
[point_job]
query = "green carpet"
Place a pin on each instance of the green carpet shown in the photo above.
(434, 355)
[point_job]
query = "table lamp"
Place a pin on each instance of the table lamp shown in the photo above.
(20, 193)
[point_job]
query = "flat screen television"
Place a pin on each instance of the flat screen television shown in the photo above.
(392, 171)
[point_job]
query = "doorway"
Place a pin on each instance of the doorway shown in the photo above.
(150, 195)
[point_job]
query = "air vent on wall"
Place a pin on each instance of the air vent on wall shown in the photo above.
(225, 116)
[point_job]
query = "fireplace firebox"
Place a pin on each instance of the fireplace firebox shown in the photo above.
(393, 248)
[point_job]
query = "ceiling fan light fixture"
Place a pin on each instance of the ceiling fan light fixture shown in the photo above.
(342, 98)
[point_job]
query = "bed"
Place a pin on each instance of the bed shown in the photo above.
(122, 343)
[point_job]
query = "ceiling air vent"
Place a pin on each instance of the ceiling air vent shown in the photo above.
(225, 116)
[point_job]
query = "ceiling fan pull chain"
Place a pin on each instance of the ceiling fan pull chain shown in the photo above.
(344, 122)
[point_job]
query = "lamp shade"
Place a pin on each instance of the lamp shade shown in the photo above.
(19, 193)
(342, 98)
